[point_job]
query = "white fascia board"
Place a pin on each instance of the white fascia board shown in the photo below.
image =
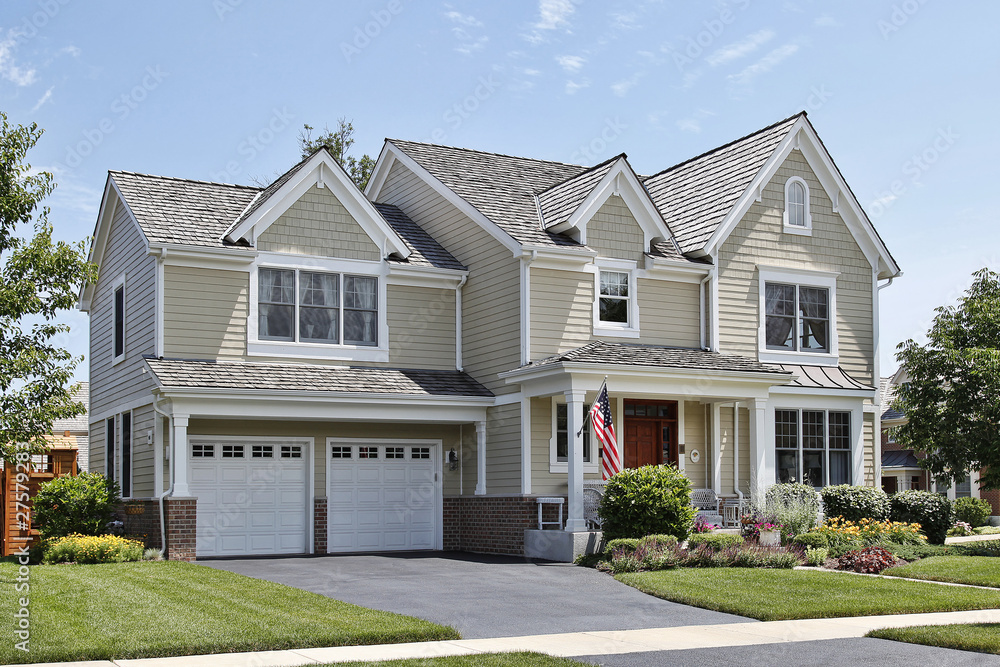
(105, 218)
(818, 391)
(424, 276)
(667, 269)
(323, 170)
(379, 173)
(465, 207)
(803, 137)
(203, 258)
(566, 258)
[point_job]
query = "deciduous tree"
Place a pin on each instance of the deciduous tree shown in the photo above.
(338, 142)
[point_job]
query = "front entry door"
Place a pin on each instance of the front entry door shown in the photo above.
(650, 433)
(642, 448)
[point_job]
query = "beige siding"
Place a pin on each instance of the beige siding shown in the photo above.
(503, 449)
(320, 431)
(318, 224)
(205, 312)
(727, 439)
(421, 327)
(562, 311)
(614, 232)
(668, 313)
(112, 386)
(759, 239)
(694, 438)
(97, 447)
(491, 297)
(143, 467)
(543, 481)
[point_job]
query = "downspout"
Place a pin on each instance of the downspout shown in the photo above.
(458, 322)
(169, 491)
(702, 324)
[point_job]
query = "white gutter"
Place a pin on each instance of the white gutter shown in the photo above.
(458, 322)
(526, 261)
(157, 454)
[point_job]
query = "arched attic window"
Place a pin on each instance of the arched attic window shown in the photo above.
(796, 216)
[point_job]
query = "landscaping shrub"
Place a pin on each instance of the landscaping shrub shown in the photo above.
(973, 511)
(869, 532)
(817, 557)
(912, 552)
(92, 549)
(75, 505)
(651, 500)
(854, 503)
(623, 544)
(987, 530)
(794, 506)
(699, 556)
(814, 540)
(870, 560)
(932, 511)
(716, 541)
(984, 548)
(960, 529)
(766, 557)
(658, 541)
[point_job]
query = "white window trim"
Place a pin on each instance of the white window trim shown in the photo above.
(610, 329)
(796, 229)
(800, 278)
(800, 461)
(120, 282)
(333, 351)
(557, 466)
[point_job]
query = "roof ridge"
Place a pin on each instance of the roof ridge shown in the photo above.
(723, 146)
(475, 150)
(186, 180)
(586, 171)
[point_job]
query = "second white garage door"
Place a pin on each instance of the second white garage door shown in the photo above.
(382, 496)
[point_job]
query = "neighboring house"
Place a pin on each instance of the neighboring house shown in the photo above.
(74, 433)
(901, 468)
(327, 370)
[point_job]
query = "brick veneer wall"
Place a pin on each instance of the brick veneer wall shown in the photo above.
(993, 498)
(319, 526)
(181, 516)
(144, 525)
(491, 524)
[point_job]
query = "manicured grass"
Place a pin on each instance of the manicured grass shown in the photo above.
(980, 637)
(773, 595)
(478, 660)
(135, 610)
(975, 570)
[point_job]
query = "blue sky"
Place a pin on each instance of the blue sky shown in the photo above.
(903, 94)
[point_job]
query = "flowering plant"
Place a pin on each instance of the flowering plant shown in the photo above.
(763, 526)
(703, 526)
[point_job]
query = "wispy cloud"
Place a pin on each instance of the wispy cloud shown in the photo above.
(552, 14)
(764, 65)
(693, 122)
(19, 76)
(472, 45)
(621, 88)
(571, 64)
(466, 20)
(463, 27)
(827, 21)
(740, 49)
(43, 99)
(573, 86)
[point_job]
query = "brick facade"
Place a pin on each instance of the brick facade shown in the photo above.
(993, 498)
(141, 521)
(491, 524)
(181, 516)
(319, 526)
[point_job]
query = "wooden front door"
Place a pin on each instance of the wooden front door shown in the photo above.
(650, 433)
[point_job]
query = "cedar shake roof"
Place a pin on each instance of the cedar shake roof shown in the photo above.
(823, 377)
(625, 354)
(191, 374)
(199, 213)
(696, 195)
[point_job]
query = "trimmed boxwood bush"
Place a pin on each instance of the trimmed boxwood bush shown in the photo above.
(651, 500)
(75, 505)
(812, 540)
(973, 511)
(932, 511)
(625, 545)
(717, 541)
(658, 541)
(854, 503)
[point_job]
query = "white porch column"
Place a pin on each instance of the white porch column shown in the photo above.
(717, 448)
(480, 458)
(761, 452)
(180, 447)
(526, 445)
(574, 423)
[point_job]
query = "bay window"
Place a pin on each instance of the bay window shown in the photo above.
(812, 446)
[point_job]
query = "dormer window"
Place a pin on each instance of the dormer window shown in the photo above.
(797, 219)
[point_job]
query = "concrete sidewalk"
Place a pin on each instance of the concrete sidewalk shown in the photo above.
(574, 644)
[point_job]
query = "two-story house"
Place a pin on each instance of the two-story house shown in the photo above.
(307, 368)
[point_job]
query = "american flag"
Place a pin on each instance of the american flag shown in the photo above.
(604, 429)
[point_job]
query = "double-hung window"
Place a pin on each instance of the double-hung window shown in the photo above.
(797, 318)
(317, 307)
(813, 446)
(613, 303)
(563, 435)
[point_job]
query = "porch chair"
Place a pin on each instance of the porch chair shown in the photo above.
(707, 505)
(593, 492)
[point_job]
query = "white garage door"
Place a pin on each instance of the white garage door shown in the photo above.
(252, 496)
(382, 497)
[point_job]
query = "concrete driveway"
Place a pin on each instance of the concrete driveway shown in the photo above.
(480, 596)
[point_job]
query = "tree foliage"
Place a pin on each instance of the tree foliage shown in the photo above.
(38, 278)
(338, 142)
(952, 397)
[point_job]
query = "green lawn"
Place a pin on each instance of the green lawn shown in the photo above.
(479, 660)
(773, 595)
(975, 570)
(981, 637)
(135, 610)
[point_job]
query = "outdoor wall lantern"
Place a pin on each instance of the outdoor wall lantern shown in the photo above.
(452, 459)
